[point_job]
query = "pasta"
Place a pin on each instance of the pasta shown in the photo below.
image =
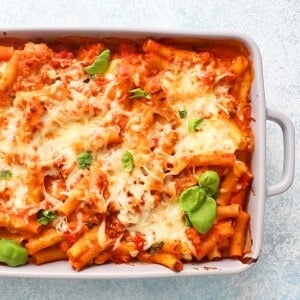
(101, 138)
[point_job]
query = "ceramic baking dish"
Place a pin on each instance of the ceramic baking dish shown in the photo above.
(258, 194)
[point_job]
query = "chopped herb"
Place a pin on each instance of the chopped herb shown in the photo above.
(46, 216)
(195, 124)
(156, 247)
(5, 174)
(84, 160)
(100, 65)
(139, 93)
(182, 113)
(127, 161)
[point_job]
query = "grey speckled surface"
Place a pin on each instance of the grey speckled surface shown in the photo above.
(274, 25)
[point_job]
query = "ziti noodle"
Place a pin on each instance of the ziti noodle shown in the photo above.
(118, 150)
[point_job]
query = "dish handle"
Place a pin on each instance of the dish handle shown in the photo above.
(288, 132)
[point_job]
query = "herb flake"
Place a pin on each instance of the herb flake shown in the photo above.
(84, 160)
(182, 113)
(100, 65)
(195, 124)
(46, 216)
(139, 93)
(5, 174)
(127, 161)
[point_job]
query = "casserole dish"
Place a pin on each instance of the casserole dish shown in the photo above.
(257, 195)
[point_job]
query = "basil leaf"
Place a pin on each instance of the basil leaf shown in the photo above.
(5, 174)
(84, 160)
(187, 221)
(182, 113)
(204, 217)
(139, 93)
(209, 181)
(191, 198)
(127, 161)
(100, 65)
(46, 216)
(195, 124)
(12, 254)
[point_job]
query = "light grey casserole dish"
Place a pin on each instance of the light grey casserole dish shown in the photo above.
(258, 194)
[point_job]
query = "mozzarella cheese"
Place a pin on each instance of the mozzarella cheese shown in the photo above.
(82, 115)
(215, 135)
(161, 224)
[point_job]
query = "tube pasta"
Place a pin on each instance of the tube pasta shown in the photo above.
(167, 259)
(89, 239)
(214, 254)
(230, 181)
(237, 243)
(86, 258)
(66, 191)
(48, 238)
(48, 255)
(35, 182)
(240, 65)
(239, 198)
(157, 62)
(213, 159)
(228, 211)
(220, 232)
(69, 206)
(17, 237)
(163, 258)
(102, 258)
(6, 53)
(15, 222)
(166, 51)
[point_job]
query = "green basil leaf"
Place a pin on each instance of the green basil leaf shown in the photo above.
(12, 254)
(84, 160)
(191, 198)
(204, 217)
(100, 65)
(139, 93)
(187, 221)
(46, 216)
(195, 124)
(5, 174)
(182, 113)
(127, 161)
(209, 181)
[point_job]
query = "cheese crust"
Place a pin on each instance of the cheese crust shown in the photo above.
(52, 110)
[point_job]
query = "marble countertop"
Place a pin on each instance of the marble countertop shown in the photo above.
(275, 26)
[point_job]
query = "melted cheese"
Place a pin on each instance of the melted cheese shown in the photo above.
(17, 200)
(164, 223)
(215, 135)
(123, 184)
(17, 187)
(3, 65)
(8, 133)
(80, 115)
(184, 83)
